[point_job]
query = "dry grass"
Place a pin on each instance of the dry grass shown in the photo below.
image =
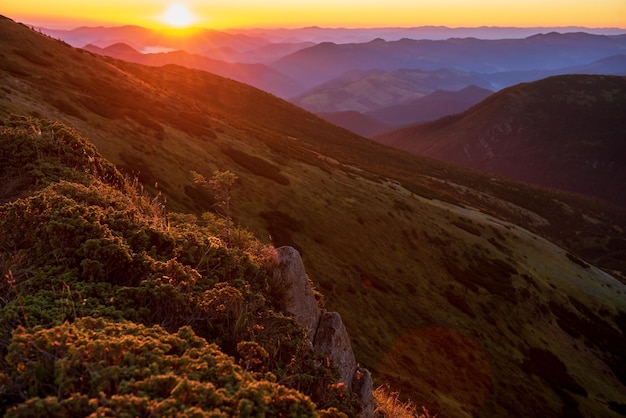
(388, 405)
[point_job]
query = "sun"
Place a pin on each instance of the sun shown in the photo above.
(178, 15)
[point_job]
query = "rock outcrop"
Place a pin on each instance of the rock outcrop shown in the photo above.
(327, 333)
(332, 340)
(300, 300)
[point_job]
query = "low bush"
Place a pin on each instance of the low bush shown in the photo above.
(103, 368)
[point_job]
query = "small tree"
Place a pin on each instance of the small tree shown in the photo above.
(221, 185)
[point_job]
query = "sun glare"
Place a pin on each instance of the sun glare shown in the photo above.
(178, 16)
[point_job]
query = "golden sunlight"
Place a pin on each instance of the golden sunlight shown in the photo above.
(178, 15)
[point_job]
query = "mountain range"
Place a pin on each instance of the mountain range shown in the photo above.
(379, 73)
(318, 34)
(325, 61)
(470, 294)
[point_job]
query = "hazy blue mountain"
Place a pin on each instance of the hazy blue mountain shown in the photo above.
(550, 51)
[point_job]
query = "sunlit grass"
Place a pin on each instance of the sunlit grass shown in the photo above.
(388, 405)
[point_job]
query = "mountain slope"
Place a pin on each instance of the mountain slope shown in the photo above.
(566, 132)
(424, 261)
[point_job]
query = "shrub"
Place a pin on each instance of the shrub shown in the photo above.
(110, 369)
(44, 151)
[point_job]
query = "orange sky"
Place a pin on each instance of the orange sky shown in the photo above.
(326, 13)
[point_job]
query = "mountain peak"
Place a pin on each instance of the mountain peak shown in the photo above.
(120, 48)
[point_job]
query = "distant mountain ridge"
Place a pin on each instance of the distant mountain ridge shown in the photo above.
(220, 45)
(567, 132)
(429, 107)
(257, 75)
(139, 37)
(327, 60)
(358, 35)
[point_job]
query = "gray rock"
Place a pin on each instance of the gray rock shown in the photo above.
(327, 333)
(332, 340)
(300, 300)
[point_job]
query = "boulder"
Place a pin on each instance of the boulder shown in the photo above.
(332, 340)
(300, 300)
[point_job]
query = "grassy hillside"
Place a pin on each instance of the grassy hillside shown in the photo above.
(112, 307)
(471, 295)
(566, 132)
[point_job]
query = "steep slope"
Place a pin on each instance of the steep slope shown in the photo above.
(566, 132)
(432, 106)
(471, 295)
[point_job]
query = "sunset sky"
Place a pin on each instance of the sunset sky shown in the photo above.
(327, 13)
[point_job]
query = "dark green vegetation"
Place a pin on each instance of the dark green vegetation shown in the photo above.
(566, 132)
(95, 246)
(452, 285)
(124, 369)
